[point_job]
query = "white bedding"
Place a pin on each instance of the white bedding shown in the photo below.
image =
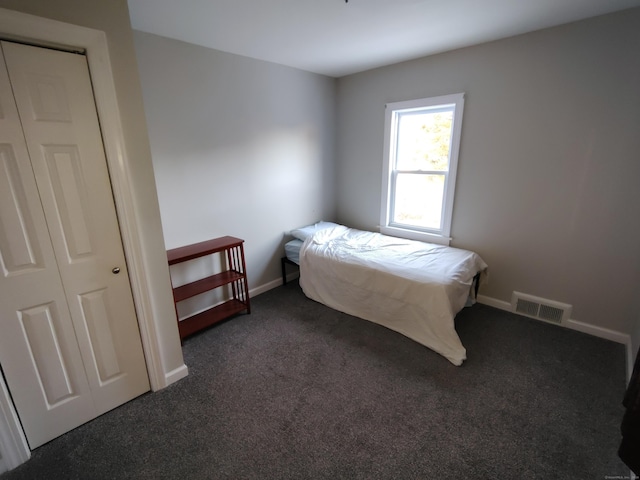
(414, 288)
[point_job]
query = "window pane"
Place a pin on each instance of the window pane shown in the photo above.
(423, 140)
(418, 200)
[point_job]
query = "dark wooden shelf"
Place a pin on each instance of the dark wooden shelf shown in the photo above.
(196, 250)
(210, 317)
(235, 276)
(204, 285)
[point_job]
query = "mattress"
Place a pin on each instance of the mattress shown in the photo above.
(292, 250)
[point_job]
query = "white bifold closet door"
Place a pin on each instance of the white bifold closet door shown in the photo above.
(70, 347)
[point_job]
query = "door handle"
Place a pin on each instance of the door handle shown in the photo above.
(116, 270)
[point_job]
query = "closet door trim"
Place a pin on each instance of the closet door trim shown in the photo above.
(41, 31)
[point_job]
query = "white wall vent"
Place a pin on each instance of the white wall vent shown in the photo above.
(540, 308)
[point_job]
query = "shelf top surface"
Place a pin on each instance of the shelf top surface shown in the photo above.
(182, 254)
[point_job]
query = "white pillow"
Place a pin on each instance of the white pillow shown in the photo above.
(305, 232)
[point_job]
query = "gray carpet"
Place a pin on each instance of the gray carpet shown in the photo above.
(299, 391)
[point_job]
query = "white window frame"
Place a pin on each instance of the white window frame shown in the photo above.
(392, 110)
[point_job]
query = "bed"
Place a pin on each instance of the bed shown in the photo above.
(411, 287)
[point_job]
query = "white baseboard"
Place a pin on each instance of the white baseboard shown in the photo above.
(596, 331)
(493, 302)
(175, 375)
(272, 284)
(253, 292)
(587, 328)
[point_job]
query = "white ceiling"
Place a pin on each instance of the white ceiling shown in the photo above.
(336, 38)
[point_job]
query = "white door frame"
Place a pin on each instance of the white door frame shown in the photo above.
(13, 444)
(43, 31)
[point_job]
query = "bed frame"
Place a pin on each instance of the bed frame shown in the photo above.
(283, 262)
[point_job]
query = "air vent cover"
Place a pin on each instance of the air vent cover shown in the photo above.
(540, 308)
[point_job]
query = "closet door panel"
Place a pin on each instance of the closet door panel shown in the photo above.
(55, 102)
(39, 354)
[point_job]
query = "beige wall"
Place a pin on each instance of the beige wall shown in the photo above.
(112, 17)
(240, 147)
(548, 182)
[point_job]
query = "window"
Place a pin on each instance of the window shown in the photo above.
(422, 139)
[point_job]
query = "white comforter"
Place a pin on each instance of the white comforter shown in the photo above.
(414, 288)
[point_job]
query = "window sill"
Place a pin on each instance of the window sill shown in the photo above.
(415, 235)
